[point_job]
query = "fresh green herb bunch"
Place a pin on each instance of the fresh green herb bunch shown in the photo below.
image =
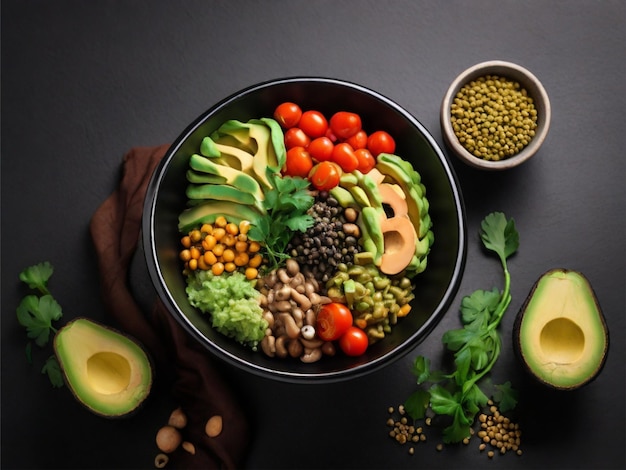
(286, 205)
(476, 347)
(36, 313)
(493, 117)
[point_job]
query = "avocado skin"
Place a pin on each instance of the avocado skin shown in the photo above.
(147, 361)
(517, 339)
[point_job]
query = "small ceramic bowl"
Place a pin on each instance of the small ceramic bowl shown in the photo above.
(512, 72)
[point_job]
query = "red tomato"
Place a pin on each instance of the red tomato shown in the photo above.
(325, 175)
(366, 160)
(298, 162)
(287, 114)
(354, 341)
(330, 135)
(313, 123)
(333, 320)
(344, 124)
(344, 156)
(380, 142)
(321, 149)
(295, 137)
(358, 140)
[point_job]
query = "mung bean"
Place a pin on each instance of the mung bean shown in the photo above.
(493, 117)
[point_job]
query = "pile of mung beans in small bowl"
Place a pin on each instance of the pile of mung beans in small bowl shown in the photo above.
(495, 115)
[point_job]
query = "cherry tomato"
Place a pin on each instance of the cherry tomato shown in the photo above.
(313, 123)
(330, 135)
(298, 162)
(321, 149)
(287, 114)
(325, 175)
(344, 156)
(366, 160)
(354, 341)
(333, 320)
(344, 124)
(295, 137)
(358, 140)
(380, 142)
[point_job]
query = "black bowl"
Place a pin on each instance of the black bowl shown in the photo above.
(435, 287)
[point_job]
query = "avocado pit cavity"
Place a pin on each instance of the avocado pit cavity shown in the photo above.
(562, 341)
(108, 372)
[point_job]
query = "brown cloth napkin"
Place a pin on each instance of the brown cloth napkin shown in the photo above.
(196, 384)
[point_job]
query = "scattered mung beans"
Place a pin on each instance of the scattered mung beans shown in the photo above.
(403, 432)
(493, 117)
(497, 433)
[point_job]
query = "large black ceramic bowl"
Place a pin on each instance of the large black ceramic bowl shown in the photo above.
(434, 288)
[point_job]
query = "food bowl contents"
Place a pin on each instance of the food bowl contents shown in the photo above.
(560, 333)
(107, 371)
(493, 117)
(303, 233)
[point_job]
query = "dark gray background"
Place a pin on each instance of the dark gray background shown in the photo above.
(83, 82)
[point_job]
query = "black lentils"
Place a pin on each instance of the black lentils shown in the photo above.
(325, 244)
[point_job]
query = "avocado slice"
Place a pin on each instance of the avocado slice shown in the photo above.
(207, 211)
(108, 372)
(560, 334)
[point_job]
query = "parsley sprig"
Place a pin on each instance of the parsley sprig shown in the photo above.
(37, 312)
(286, 205)
(476, 347)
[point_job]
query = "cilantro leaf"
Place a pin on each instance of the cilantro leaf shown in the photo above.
(417, 403)
(506, 396)
(475, 398)
(456, 339)
(286, 204)
(458, 430)
(479, 304)
(476, 345)
(442, 401)
(36, 315)
(299, 223)
(421, 369)
(53, 370)
(37, 276)
(499, 235)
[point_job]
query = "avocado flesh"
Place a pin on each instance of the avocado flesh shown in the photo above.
(560, 333)
(108, 372)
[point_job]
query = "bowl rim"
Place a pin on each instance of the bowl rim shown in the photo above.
(516, 72)
(359, 370)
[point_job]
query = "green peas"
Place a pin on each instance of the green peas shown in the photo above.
(375, 299)
(493, 117)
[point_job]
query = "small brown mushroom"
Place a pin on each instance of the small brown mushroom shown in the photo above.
(168, 439)
(189, 447)
(295, 348)
(178, 419)
(161, 460)
(281, 346)
(268, 345)
(213, 426)
(291, 327)
(311, 355)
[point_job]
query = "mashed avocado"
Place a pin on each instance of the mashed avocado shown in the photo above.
(232, 302)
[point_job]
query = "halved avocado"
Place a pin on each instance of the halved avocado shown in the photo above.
(560, 334)
(107, 371)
